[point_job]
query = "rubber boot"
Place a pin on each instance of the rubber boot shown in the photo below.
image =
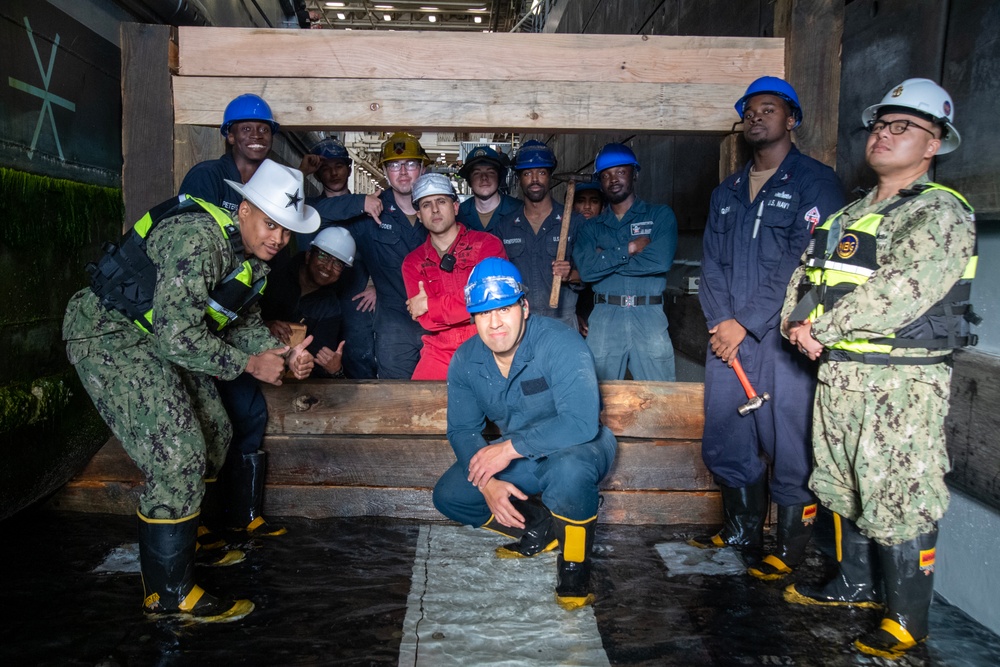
(246, 489)
(211, 517)
(795, 528)
(744, 510)
(166, 558)
(538, 534)
(908, 577)
(573, 575)
(854, 585)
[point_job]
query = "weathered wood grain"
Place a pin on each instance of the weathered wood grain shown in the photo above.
(205, 52)
(660, 410)
(973, 425)
(462, 106)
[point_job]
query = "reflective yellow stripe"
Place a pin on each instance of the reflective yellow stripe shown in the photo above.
(191, 599)
(901, 634)
(164, 521)
(838, 534)
(143, 226)
(221, 217)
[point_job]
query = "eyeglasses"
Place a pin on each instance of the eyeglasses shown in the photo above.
(895, 126)
(399, 165)
(327, 258)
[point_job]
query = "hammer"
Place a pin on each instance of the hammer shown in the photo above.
(755, 400)
(572, 179)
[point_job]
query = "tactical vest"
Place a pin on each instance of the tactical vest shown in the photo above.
(124, 278)
(832, 272)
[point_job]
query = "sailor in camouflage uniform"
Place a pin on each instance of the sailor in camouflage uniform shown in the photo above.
(170, 308)
(886, 299)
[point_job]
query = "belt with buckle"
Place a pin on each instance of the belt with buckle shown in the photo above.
(628, 300)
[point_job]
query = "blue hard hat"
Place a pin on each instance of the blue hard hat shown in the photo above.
(247, 107)
(772, 85)
(534, 155)
(493, 283)
(589, 185)
(615, 155)
(331, 149)
(484, 154)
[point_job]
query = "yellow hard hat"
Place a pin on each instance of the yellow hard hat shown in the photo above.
(403, 146)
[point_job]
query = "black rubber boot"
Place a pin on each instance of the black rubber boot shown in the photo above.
(795, 528)
(908, 577)
(538, 534)
(854, 585)
(744, 510)
(573, 577)
(166, 558)
(211, 517)
(246, 493)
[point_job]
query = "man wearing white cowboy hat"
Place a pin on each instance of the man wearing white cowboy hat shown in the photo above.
(171, 307)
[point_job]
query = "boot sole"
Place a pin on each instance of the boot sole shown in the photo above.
(504, 552)
(573, 603)
(792, 596)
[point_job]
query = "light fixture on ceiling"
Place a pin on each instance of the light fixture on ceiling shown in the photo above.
(432, 18)
(477, 19)
(335, 4)
(387, 17)
(342, 16)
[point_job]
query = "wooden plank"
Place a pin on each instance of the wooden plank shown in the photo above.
(405, 462)
(812, 63)
(660, 410)
(147, 118)
(111, 464)
(972, 425)
(454, 105)
(338, 54)
(319, 502)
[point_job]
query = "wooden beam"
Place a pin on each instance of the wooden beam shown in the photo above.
(972, 426)
(661, 410)
(214, 52)
(147, 118)
(454, 105)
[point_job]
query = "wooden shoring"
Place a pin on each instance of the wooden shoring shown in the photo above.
(524, 82)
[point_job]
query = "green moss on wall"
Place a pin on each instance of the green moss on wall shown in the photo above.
(26, 404)
(53, 211)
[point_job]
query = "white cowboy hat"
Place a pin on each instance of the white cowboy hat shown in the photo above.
(280, 193)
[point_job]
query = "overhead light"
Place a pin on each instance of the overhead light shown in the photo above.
(335, 4)
(383, 7)
(430, 9)
(432, 18)
(343, 17)
(387, 17)
(477, 19)
(477, 9)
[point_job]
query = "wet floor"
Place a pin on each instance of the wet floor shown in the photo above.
(367, 591)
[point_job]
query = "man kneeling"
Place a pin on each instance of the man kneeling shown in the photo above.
(535, 380)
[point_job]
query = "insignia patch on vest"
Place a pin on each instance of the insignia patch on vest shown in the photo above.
(535, 386)
(847, 246)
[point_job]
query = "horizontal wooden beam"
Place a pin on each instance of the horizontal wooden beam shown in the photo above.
(325, 54)
(453, 105)
(656, 410)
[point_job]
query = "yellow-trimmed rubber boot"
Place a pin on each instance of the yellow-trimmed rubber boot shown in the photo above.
(744, 510)
(573, 576)
(539, 532)
(908, 576)
(166, 559)
(246, 484)
(795, 528)
(854, 585)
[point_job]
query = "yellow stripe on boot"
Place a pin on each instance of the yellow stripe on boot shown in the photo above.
(880, 645)
(771, 568)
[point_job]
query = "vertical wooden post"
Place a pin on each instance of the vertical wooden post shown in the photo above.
(813, 33)
(147, 118)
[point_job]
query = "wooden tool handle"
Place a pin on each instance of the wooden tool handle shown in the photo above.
(561, 251)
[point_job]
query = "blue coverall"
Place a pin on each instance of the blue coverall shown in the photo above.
(241, 397)
(469, 216)
(358, 327)
(548, 407)
(533, 255)
(624, 335)
(750, 251)
(383, 248)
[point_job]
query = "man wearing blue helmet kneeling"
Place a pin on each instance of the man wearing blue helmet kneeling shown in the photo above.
(537, 482)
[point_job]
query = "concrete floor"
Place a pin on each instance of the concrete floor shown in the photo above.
(370, 591)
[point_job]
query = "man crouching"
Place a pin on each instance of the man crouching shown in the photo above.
(535, 380)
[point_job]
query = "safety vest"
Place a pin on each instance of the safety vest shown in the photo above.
(832, 272)
(124, 278)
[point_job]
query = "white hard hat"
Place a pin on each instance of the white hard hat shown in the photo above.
(929, 99)
(279, 192)
(432, 184)
(338, 242)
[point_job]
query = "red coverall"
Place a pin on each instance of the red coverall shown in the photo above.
(446, 318)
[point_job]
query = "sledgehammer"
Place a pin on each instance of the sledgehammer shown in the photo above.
(755, 400)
